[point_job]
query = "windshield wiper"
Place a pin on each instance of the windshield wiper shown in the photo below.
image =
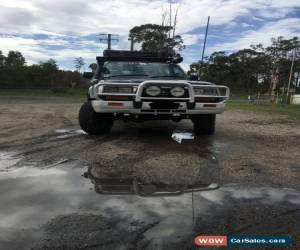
(128, 75)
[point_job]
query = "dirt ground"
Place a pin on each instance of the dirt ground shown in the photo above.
(253, 159)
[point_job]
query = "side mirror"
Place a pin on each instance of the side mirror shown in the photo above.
(88, 75)
(177, 58)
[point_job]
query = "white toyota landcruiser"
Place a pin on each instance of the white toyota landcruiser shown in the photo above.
(141, 86)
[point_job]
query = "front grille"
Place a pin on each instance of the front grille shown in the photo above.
(116, 98)
(165, 91)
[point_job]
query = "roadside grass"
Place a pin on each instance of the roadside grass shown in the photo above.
(292, 111)
(44, 92)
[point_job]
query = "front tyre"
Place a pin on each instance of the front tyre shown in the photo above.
(94, 123)
(204, 124)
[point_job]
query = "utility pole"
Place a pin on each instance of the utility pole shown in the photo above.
(131, 43)
(109, 38)
(290, 78)
(204, 45)
(170, 18)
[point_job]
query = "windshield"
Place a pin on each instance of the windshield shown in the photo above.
(147, 69)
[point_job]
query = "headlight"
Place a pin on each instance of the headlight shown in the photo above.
(117, 89)
(177, 91)
(153, 91)
(206, 91)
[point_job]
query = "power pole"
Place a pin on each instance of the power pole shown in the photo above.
(290, 78)
(170, 2)
(204, 45)
(109, 38)
(131, 43)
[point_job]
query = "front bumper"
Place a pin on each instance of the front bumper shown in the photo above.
(139, 104)
(128, 107)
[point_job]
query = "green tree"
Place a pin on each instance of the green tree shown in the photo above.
(280, 54)
(15, 74)
(154, 37)
(79, 63)
(49, 69)
(255, 69)
(49, 66)
(13, 71)
(14, 59)
(2, 59)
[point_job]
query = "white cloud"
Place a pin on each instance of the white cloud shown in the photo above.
(34, 51)
(190, 39)
(63, 20)
(287, 28)
(12, 18)
(246, 25)
(84, 17)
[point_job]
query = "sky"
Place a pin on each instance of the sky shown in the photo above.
(65, 29)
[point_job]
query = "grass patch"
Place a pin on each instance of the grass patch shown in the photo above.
(44, 92)
(292, 111)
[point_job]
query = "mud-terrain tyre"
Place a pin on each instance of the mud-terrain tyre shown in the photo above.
(94, 123)
(204, 124)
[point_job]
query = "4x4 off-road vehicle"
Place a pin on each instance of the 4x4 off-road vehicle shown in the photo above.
(141, 86)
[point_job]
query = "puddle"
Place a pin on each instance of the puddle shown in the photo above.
(24, 172)
(217, 147)
(8, 159)
(134, 186)
(31, 197)
(66, 133)
(62, 131)
(9, 165)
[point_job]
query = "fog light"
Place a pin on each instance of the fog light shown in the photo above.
(177, 91)
(153, 91)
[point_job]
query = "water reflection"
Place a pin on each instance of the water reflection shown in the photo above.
(172, 213)
(135, 186)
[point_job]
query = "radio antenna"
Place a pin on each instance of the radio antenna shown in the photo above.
(204, 45)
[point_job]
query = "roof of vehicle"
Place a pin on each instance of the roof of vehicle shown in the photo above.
(125, 55)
